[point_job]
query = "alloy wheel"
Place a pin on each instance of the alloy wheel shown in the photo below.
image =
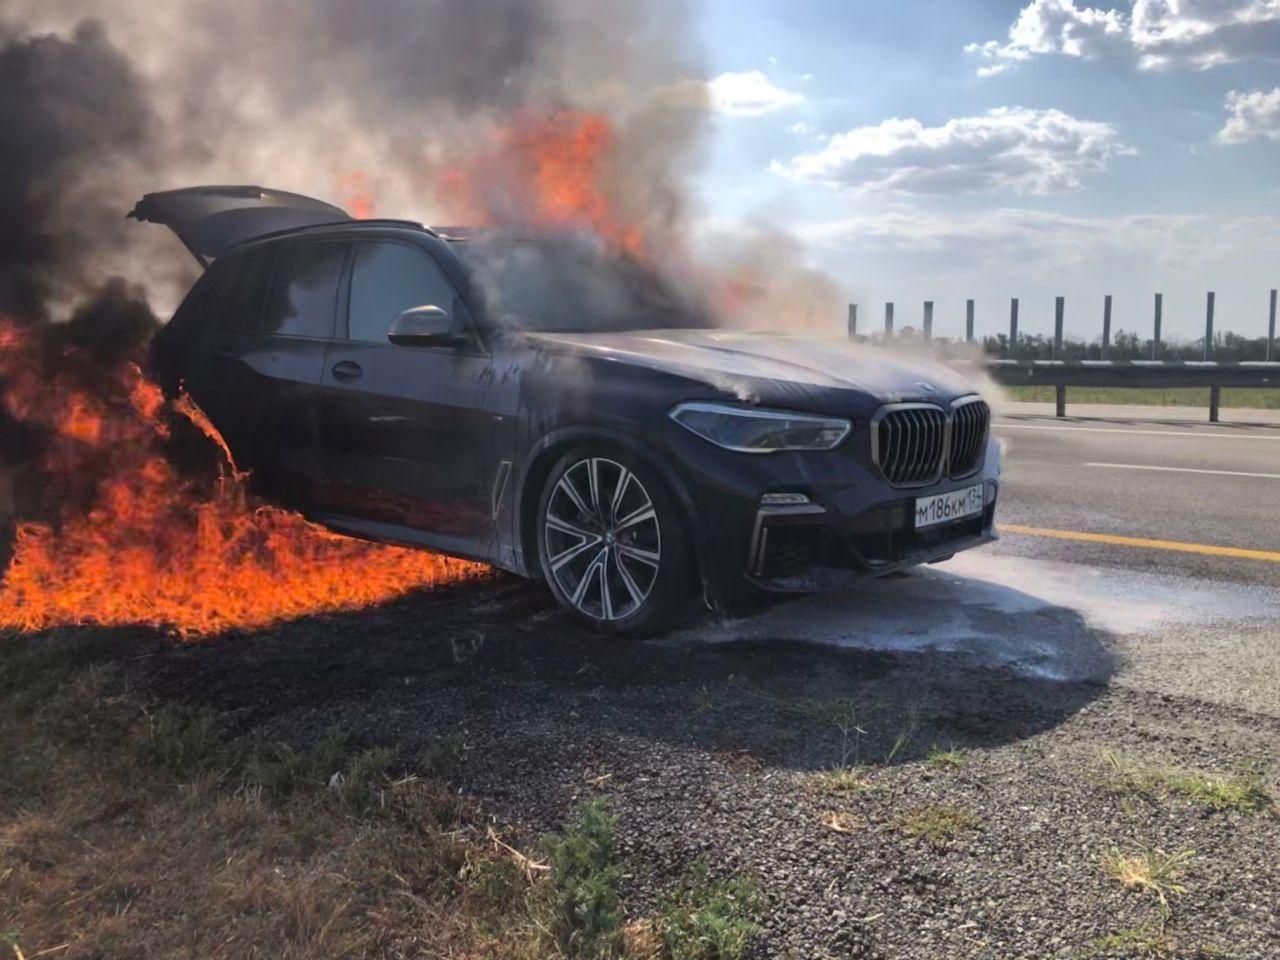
(603, 539)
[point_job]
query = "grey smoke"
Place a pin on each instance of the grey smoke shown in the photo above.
(301, 94)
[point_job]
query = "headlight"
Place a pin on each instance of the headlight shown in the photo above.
(747, 430)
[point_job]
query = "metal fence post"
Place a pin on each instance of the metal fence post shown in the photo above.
(1060, 392)
(888, 319)
(853, 320)
(1208, 327)
(1013, 324)
(968, 317)
(1271, 330)
(928, 320)
(1155, 341)
(1059, 304)
(1106, 326)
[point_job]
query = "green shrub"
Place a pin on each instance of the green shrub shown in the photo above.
(710, 920)
(585, 874)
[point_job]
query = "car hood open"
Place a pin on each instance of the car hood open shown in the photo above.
(211, 220)
(745, 364)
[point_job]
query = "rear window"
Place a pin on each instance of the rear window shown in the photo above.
(304, 290)
(238, 287)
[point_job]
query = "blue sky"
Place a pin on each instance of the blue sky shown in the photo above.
(1080, 151)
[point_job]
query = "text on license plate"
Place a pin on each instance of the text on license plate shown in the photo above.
(946, 507)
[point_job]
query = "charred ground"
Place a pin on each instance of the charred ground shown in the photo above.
(887, 804)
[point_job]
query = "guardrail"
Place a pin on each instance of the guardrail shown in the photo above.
(1061, 374)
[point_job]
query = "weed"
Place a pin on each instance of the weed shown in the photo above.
(839, 780)
(937, 823)
(443, 756)
(585, 875)
(1151, 942)
(705, 919)
(1146, 941)
(359, 783)
(951, 757)
(1244, 791)
(846, 717)
(279, 770)
(1153, 871)
(180, 739)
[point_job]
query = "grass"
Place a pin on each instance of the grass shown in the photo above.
(707, 919)
(839, 780)
(1148, 942)
(1242, 792)
(136, 829)
(585, 915)
(1183, 397)
(937, 824)
(951, 758)
(133, 829)
(1152, 871)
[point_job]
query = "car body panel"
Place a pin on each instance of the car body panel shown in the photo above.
(211, 220)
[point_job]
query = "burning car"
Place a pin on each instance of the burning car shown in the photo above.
(560, 411)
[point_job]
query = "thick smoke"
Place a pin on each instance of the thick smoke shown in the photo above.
(371, 105)
(73, 111)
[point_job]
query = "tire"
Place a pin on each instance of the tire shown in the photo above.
(613, 545)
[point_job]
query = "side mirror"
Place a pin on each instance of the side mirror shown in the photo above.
(427, 326)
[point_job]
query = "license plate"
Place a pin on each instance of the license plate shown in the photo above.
(948, 507)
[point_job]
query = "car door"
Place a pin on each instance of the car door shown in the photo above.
(284, 356)
(405, 440)
(205, 349)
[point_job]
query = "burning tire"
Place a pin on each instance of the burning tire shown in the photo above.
(612, 545)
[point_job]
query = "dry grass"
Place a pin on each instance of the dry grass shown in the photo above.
(138, 830)
(132, 833)
(937, 824)
(846, 780)
(1152, 871)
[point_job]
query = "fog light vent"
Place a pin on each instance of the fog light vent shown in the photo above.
(783, 499)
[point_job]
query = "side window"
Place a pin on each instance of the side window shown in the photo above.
(304, 290)
(386, 280)
(239, 288)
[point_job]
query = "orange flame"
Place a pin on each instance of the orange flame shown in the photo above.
(547, 170)
(355, 195)
(153, 547)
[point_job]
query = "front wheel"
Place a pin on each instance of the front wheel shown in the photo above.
(612, 545)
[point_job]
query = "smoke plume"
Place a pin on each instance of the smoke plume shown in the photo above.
(372, 105)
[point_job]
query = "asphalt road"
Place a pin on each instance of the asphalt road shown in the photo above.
(1212, 488)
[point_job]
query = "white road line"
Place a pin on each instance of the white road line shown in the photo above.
(1216, 473)
(1150, 433)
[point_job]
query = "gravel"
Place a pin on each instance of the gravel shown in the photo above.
(709, 751)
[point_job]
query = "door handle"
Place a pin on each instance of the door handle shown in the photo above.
(347, 370)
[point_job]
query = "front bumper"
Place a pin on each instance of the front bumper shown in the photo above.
(795, 550)
(846, 522)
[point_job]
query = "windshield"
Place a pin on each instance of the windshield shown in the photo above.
(570, 284)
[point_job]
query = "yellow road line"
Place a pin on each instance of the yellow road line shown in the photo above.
(1209, 550)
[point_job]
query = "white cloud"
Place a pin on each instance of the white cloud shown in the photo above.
(749, 94)
(1009, 148)
(1253, 114)
(1151, 34)
(906, 254)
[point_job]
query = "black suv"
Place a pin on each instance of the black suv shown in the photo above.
(559, 412)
